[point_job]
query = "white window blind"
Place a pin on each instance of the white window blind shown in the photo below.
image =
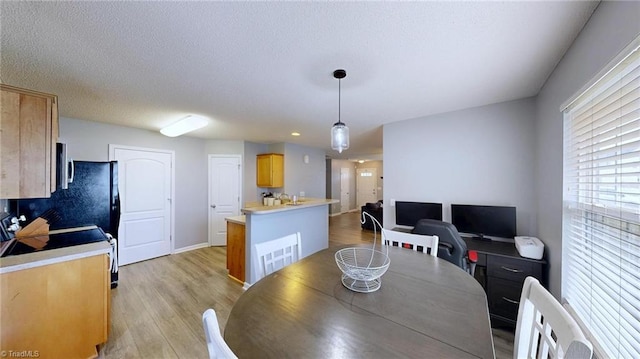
(601, 209)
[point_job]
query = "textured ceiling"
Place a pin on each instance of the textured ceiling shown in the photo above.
(261, 70)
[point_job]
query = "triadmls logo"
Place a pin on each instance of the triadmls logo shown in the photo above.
(20, 354)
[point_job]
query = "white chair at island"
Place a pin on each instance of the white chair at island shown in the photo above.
(277, 254)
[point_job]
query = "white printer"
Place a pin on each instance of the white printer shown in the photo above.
(529, 247)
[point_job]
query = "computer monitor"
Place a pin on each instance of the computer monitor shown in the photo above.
(409, 213)
(496, 221)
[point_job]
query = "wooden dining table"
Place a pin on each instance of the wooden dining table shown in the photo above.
(426, 307)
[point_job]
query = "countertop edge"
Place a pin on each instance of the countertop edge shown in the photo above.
(236, 219)
(53, 256)
(285, 207)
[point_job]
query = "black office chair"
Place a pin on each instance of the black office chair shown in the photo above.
(451, 246)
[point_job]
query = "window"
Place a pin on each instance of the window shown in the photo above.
(601, 208)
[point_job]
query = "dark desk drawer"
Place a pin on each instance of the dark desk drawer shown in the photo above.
(482, 259)
(513, 269)
(503, 297)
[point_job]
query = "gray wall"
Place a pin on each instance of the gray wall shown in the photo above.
(481, 155)
(612, 26)
(89, 141)
(469, 147)
(298, 176)
(251, 191)
(304, 177)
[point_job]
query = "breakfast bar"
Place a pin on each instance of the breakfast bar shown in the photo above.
(262, 223)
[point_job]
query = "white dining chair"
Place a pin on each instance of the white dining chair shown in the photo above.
(429, 244)
(545, 329)
(218, 348)
(277, 253)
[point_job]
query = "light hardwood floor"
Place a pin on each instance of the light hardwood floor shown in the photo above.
(156, 309)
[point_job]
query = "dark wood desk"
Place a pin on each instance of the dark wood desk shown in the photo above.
(501, 271)
(426, 308)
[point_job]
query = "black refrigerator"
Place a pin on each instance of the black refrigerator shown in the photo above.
(91, 199)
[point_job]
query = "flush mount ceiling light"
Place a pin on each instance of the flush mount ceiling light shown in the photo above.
(187, 124)
(339, 131)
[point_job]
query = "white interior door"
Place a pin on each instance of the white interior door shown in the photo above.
(145, 185)
(224, 195)
(366, 186)
(345, 197)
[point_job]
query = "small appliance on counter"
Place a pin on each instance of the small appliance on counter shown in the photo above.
(529, 247)
(91, 202)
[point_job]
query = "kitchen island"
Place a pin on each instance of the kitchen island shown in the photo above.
(310, 217)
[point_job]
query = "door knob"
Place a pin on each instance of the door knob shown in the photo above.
(213, 206)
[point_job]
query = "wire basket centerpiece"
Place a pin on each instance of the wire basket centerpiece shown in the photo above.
(362, 267)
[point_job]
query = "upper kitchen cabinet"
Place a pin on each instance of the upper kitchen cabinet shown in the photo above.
(270, 170)
(28, 136)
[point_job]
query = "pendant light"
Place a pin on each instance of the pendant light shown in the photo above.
(339, 131)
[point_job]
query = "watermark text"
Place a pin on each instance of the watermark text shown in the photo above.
(20, 354)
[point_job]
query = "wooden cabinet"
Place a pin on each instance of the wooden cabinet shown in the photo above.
(28, 136)
(58, 310)
(236, 250)
(270, 170)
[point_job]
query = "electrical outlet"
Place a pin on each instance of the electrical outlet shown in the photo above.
(301, 193)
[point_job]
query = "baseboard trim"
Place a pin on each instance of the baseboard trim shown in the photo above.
(339, 213)
(190, 248)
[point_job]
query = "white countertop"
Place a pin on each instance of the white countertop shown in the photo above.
(305, 203)
(52, 256)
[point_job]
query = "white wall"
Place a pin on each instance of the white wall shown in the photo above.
(611, 27)
(482, 155)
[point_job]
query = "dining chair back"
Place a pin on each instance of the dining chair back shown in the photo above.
(217, 347)
(277, 253)
(545, 329)
(426, 244)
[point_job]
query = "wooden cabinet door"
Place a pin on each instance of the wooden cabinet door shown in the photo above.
(59, 310)
(236, 251)
(28, 135)
(270, 170)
